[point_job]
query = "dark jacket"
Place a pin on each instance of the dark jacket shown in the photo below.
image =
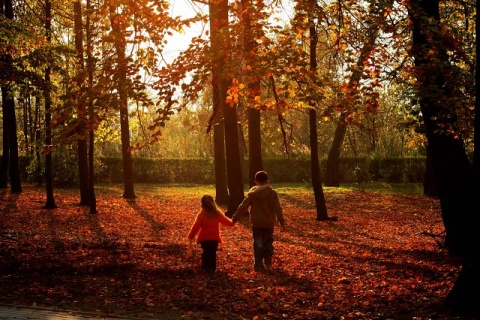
(265, 207)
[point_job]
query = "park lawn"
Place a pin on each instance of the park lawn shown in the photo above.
(375, 262)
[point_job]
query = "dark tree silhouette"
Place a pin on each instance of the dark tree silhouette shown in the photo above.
(320, 202)
(219, 26)
(91, 136)
(9, 162)
(251, 33)
(453, 175)
(82, 112)
(118, 30)
(50, 204)
(217, 121)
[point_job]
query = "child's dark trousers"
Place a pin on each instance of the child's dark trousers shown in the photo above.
(209, 255)
(262, 248)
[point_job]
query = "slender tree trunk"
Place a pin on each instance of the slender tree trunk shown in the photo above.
(82, 141)
(254, 145)
(5, 160)
(217, 119)
(476, 137)
(320, 203)
(221, 186)
(332, 177)
(38, 138)
(50, 204)
(254, 133)
(9, 161)
(234, 167)
(119, 33)
(14, 172)
(452, 171)
(91, 149)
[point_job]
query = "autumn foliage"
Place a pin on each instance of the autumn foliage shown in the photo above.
(375, 262)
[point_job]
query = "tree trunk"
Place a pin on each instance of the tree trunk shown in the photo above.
(14, 172)
(332, 178)
(91, 149)
(232, 152)
(221, 186)
(38, 137)
(50, 204)
(476, 137)
(82, 142)
(118, 30)
(452, 171)
(219, 26)
(249, 9)
(5, 161)
(10, 156)
(320, 203)
(254, 145)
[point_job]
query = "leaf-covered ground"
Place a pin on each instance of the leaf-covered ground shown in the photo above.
(128, 260)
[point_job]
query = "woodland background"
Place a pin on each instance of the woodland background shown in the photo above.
(314, 79)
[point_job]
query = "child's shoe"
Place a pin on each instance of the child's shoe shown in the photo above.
(267, 259)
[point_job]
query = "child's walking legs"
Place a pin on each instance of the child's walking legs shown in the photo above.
(209, 255)
(262, 247)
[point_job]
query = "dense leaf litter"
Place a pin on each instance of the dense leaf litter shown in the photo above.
(375, 262)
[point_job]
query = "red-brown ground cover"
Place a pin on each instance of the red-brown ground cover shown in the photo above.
(373, 263)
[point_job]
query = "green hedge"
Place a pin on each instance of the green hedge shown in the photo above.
(202, 170)
(160, 170)
(280, 170)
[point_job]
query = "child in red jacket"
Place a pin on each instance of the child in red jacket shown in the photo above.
(207, 225)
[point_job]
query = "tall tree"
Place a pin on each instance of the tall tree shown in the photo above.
(50, 201)
(232, 152)
(90, 66)
(81, 109)
(216, 121)
(476, 138)
(119, 34)
(251, 34)
(320, 203)
(5, 160)
(456, 188)
(221, 185)
(9, 162)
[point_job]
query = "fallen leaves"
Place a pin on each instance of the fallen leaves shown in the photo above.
(129, 259)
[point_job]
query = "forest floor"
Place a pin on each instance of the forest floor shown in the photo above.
(374, 262)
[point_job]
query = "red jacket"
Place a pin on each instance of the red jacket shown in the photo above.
(208, 228)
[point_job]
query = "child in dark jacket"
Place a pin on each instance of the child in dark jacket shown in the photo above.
(207, 225)
(265, 210)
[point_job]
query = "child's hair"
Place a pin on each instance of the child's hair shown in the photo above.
(261, 177)
(209, 204)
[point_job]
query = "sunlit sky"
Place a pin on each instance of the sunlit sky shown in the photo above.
(185, 9)
(189, 8)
